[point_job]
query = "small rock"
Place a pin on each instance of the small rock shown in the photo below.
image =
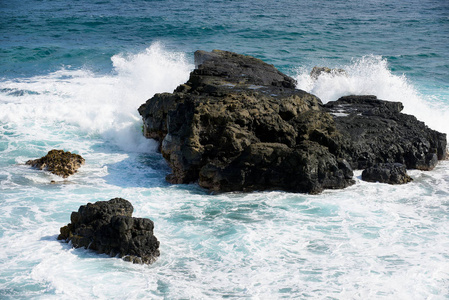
(108, 227)
(317, 71)
(58, 162)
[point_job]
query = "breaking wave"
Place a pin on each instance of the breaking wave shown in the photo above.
(371, 75)
(105, 105)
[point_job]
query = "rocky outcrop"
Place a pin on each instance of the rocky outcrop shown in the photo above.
(391, 173)
(238, 124)
(108, 227)
(58, 162)
(376, 131)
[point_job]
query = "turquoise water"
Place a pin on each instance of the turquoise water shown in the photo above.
(72, 75)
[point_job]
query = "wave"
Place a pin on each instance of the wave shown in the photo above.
(59, 105)
(369, 239)
(371, 75)
(94, 104)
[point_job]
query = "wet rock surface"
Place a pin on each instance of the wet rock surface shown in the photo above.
(317, 71)
(108, 227)
(238, 124)
(391, 173)
(58, 162)
(375, 131)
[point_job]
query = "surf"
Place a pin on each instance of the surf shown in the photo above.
(88, 104)
(371, 75)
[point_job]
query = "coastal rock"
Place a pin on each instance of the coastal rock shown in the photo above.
(391, 173)
(375, 131)
(317, 71)
(108, 227)
(238, 124)
(58, 162)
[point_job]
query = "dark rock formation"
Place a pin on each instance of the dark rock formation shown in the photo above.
(58, 162)
(376, 131)
(238, 124)
(391, 173)
(107, 227)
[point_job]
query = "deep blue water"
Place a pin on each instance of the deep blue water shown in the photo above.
(40, 36)
(72, 75)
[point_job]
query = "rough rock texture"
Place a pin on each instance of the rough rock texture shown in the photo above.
(238, 124)
(377, 132)
(391, 173)
(108, 227)
(58, 162)
(317, 71)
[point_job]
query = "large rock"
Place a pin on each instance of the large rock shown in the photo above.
(238, 124)
(58, 162)
(108, 227)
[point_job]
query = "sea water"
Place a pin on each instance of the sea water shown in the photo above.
(72, 77)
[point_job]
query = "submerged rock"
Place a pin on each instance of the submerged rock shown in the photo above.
(391, 173)
(58, 162)
(238, 124)
(108, 227)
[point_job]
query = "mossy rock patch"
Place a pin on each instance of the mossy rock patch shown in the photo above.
(59, 162)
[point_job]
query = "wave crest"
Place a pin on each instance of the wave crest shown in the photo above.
(95, 104)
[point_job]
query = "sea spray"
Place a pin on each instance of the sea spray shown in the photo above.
(366, 241)
(84, 103)
(370, 75)
(370, 241)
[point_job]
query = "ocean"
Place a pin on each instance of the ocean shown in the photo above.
(72, 75)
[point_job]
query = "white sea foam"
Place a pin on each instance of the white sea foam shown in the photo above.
(370, 75)
(368, 241)
(78, 100)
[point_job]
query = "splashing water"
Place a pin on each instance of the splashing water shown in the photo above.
(370, 75)
(366, 241)
(87, 104)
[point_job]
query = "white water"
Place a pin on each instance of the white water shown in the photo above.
(369, 241)
(370, 75)
(92, 104)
